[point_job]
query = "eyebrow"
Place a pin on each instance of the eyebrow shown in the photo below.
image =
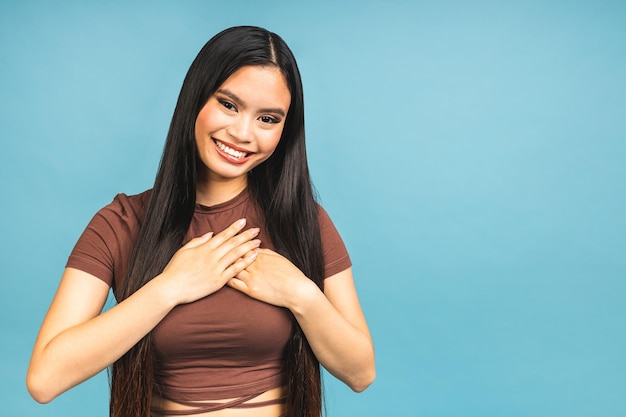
(234, 97)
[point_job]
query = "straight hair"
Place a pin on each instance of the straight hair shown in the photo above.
(280, 186)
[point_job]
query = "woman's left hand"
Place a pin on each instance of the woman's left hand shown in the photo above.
(271, 278)
(332, 321)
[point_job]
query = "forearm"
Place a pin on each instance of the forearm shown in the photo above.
(76, 341)
(85, 349)
(341, 347)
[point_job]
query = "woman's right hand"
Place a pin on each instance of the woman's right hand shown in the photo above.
(205, 264)
(76, 340)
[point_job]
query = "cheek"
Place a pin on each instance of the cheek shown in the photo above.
(269, 142)
(209, 120)
(200, 127)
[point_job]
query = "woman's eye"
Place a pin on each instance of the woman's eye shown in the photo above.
(228, 105)
(268, 119)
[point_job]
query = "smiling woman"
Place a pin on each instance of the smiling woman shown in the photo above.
(213, 319)
(238, 128)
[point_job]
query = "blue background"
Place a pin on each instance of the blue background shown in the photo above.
(472, 154)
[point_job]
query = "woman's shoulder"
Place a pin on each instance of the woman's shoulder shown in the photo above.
(122, 217)
(105, 245)
(130, 202)
(125, 206)
(336, 257)
(323, 217)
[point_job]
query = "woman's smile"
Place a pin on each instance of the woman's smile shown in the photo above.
(232, 153)
(240, 125)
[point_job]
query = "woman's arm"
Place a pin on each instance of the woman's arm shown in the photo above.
(335, 327)
(76, 341)
(332, 321)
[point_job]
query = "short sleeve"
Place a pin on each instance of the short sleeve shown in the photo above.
(336, 257)
(104, 248)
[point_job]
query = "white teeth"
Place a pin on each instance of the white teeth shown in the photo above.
(230, 151)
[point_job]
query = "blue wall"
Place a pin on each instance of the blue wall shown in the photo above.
(472, 154)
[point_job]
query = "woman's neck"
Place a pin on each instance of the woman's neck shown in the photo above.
(211, 193)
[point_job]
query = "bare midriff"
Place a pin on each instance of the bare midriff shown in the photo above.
(246, 409)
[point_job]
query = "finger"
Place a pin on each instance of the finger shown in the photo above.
(239, 244)
(242, 237)
(237, 284)
(199, 240)
(256, 251)
(243, 275)
(228, 233)
(238, 266)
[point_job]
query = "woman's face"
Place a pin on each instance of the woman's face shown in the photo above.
(240, 125)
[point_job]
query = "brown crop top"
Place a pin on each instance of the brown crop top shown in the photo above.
(226, 345)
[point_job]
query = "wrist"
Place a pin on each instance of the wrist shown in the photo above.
(162, 292)
(304, 297)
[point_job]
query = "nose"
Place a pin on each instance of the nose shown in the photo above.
(241, 129)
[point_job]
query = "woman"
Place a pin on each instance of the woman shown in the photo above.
(232, 283)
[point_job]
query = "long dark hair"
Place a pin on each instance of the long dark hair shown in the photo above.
(280, 186)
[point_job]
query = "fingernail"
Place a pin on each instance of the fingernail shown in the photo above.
(255, 231)
(257, 242)
(241, 222)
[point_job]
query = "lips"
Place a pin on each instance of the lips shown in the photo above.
(231, 153)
